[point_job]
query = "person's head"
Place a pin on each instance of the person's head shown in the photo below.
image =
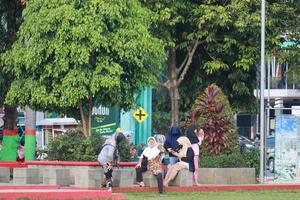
(133, 150)
(175, 130)
(200, 132)
(184, 141)
(119, 138)
(151, 142)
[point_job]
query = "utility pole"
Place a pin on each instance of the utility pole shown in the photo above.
(262, 89)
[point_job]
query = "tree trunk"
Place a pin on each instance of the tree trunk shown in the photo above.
(86, 117)
(90, 109)
(83, 119)
(174, 94)
(10, 117)
(30, 134)
(10, 134)
(173, 87)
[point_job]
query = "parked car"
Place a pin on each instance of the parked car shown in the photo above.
(246, 144)
(270, 153)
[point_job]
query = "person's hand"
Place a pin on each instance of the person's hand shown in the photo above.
(174, 153)
(138, 165)
(109, 167)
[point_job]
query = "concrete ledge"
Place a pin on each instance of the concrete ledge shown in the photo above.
(26, 176)
(4, 174)
(88, 178)
(124, 177)
(184, 178)
(150, 179)
(227, 176)
(56, 177)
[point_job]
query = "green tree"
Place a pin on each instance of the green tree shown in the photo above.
(83, 53)
(220, 37)
(10, 19)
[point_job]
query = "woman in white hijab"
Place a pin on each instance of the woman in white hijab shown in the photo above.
(186, 159)
(150, 160)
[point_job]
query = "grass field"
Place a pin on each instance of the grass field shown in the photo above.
(228, 195)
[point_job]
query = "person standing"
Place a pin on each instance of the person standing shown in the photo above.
(150, 159)
(195, 135)
(171, 143)
(110, 155)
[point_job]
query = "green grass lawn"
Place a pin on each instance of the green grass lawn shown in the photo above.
(228, 195)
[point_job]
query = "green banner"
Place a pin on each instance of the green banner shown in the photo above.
(105, 120)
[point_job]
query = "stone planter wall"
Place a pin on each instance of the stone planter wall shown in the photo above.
(227, 176)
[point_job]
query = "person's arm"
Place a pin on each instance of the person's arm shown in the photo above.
(140, 160)
(189, 156)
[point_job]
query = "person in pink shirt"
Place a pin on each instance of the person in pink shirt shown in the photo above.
(196, 136)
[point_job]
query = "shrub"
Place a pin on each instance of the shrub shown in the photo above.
(124, 151)
(235, 160)
(74, 146)
(213, 112)
(251, 158)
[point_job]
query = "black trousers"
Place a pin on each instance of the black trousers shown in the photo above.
(159, 177)
(108, 178)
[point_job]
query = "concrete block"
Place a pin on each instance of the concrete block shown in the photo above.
(184, 178)
(54, 176)
(227, 176)
(88, 178)
(150, 179)
(124, 177)
(4, 174)
(26, 176)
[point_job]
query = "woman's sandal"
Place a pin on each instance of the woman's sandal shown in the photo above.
(142, 184)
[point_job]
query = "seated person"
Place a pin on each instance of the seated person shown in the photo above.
(186, 159)
(150, 159)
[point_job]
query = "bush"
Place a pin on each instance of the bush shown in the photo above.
(74, 146)
(235, 160)
(213, 113)
(251, 158)
(124, 151)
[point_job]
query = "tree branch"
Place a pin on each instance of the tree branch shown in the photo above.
(188, 62)
(165, 84)
(209, 54)
(182, 64)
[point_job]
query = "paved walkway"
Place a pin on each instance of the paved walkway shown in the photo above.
(12, 191)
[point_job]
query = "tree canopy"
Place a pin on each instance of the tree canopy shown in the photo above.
(82, 53)
(228, 37)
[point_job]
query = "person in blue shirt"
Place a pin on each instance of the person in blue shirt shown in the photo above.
(171, 143)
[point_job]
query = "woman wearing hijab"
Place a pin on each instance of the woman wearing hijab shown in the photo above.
(150, 160)
(171, 143)
(186, 160)
(195, 135)
(109, 156)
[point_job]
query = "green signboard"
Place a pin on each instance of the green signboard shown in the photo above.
(105, 120)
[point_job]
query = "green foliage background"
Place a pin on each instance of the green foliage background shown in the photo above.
(74, 146)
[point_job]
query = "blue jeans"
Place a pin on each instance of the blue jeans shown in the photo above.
(173, 160)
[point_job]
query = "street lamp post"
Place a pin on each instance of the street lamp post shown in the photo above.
(262, 88)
